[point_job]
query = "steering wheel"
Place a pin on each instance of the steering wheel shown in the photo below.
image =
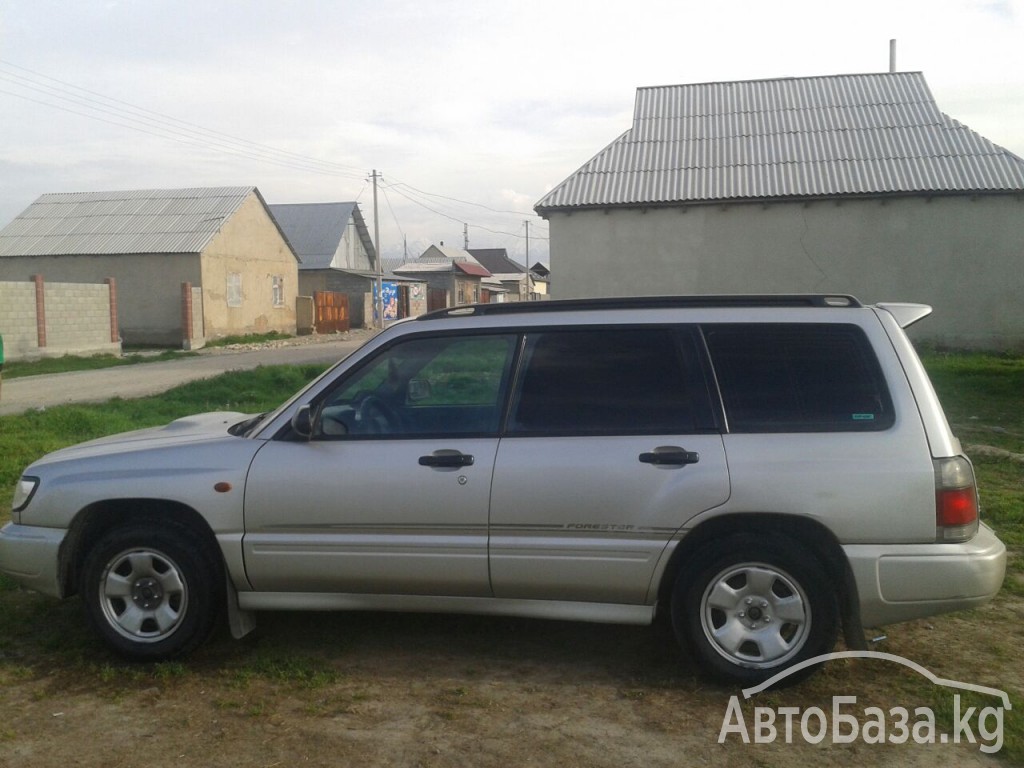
(375, 417)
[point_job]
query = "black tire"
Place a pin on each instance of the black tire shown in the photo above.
(749, 607)
(152, 592)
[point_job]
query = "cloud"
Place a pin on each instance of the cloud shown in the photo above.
(465, 99)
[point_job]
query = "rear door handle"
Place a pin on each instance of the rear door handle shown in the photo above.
(670, 456)
(447, 459)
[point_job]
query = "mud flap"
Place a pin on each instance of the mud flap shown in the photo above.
(240, 622)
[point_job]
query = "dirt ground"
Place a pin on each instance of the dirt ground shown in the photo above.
(405, 690)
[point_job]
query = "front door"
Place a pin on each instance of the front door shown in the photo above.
(390, 496)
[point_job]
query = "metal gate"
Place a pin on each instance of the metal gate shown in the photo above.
(331, 311)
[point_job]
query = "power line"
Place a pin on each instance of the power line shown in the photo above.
(464, 202)
(123, 114)
(183, 139)
(163, 126)
(413, 195)
(393, 216)
(401, 192)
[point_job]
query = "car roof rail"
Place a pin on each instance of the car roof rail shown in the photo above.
(648, 302)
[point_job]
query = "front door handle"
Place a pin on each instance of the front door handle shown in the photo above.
(670, 456)
(447, 459)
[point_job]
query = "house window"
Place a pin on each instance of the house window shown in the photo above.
(234, 289)
(278, 290)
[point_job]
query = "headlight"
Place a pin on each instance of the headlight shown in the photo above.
(23, 493)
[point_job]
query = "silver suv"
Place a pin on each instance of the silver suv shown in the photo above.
(765, 469)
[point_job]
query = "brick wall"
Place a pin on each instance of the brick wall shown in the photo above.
(198, 329)
(40, 319)
(193, 334)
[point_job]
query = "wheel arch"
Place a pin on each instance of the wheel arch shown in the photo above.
(97, 519)
(808, 534)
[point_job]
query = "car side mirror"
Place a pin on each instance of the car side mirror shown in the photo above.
(302, 422)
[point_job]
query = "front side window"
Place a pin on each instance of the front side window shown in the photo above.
(278, 290)
(604, 381)
(799, 378)
(449, 385)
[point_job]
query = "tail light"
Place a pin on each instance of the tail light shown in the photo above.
(956, 500)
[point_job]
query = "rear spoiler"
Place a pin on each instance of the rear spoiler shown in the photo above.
(906, 314)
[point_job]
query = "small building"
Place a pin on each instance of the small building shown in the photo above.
(540, 280)
(513, 277)
(327, 235)
(190, 264)
(453, 277)
(844, 184)
(337, 255)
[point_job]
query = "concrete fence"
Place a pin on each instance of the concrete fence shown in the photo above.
(40, 319)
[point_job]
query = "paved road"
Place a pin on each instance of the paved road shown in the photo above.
(144, 379)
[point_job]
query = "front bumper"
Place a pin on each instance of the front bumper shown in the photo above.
(899, 582)
(30, 555)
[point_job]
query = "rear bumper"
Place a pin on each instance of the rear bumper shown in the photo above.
(30, 555)
(898, 582)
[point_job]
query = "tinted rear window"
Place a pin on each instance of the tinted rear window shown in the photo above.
(799, 378)
(604, 382)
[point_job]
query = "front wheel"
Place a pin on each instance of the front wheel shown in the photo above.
(749, 607)
(152, 593)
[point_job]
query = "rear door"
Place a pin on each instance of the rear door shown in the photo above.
(610, 447)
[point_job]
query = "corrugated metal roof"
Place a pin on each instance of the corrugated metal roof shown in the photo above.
(129, 222)
(391, 264)
(442, 258)
(471, 269)
(315, 230)
(423, 266)
(794, 137)
(496, 261)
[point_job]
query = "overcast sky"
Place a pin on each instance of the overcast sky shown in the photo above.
(471, 110)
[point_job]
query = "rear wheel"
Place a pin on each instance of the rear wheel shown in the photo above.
(152, 592)
(749, 607)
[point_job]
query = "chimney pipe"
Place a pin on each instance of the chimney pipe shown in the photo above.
(892, 55)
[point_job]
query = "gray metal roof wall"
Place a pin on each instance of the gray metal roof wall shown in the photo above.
(313, 229)
(794, 137)
(139, 221)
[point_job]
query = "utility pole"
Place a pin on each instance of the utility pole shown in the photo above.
(527, 222)
(465, 237)
(379, 303)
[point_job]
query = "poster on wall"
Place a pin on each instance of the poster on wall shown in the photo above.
(390, 292)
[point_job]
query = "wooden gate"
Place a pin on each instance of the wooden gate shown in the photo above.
(331, 311)
(437, 298)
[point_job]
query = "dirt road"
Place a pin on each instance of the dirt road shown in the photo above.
(151, 378)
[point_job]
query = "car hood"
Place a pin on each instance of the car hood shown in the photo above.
(190, 429)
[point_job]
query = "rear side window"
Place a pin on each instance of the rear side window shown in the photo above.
(799, 378)
(608, 381)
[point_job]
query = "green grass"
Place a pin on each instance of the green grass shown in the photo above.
(983, 396)
(69, 363)
(27, 436)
